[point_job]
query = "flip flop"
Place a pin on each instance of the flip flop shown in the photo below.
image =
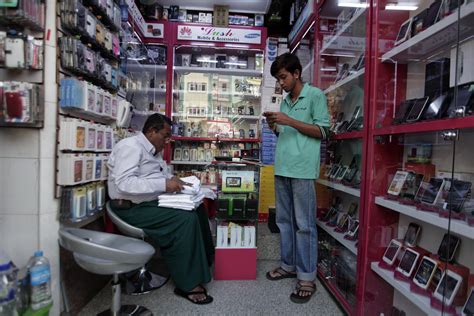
(282, 274)
(186, 295)
(300, 299)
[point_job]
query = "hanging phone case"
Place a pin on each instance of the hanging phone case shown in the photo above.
(15, 53)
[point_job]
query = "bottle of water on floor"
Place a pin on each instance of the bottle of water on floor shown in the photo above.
(40, 281)
(7, 287)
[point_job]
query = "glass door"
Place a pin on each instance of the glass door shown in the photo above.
(340, 74)
(420, 224)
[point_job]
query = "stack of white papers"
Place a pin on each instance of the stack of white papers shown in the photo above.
(180, 200)
(188, 199)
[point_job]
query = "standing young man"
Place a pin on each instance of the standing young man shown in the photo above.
(300, 125)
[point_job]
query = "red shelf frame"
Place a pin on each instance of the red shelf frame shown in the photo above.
(427, 126)
(349, 135)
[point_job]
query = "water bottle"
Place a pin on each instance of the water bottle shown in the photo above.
(7, 287)
(40, 281)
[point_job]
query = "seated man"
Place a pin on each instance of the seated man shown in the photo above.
(137, 175)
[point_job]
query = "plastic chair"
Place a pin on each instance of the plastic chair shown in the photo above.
(104, 253)
(141, 281)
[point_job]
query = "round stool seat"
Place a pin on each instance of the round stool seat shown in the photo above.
(105, 253)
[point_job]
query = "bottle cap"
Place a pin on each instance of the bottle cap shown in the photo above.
(5, 262)
(38, 253)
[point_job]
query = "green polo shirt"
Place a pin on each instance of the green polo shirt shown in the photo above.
(297, 155)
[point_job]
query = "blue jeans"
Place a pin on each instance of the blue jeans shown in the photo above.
(296, 218)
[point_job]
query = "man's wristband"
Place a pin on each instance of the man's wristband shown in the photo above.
(324, 132)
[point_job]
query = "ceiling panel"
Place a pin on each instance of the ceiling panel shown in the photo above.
(243, 6)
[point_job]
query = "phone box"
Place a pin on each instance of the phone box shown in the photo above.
(224, 207)
(465, 64)
(238, 206)
(251, 208)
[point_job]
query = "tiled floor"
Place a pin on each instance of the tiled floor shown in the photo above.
(256, 297)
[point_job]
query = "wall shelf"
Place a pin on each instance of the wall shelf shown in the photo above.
(441, 35)
(427, 126)
(196, 163)
(457, 226)
(214, 139)
(220, 71)
(135, 67)
(350, 245)
(339, 187)
(327, 46)
(349, 135)
(422, 302)
(345, 81)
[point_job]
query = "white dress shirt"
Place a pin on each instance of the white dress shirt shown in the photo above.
(135, 172)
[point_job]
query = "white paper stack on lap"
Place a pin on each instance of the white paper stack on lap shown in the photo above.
(188, 199)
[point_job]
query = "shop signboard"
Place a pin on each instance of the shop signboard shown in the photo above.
(219, 34)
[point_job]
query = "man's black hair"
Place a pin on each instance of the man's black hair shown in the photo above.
(157, 122)
(287, 61)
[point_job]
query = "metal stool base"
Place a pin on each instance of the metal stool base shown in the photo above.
(142, 282)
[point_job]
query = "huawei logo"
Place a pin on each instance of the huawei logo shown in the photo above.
(185, 31)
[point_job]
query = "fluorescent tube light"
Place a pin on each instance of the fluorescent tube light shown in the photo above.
(401, 7)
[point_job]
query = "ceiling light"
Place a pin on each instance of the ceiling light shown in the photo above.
(401, 7)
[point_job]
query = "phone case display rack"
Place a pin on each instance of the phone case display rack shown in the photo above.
(21, 63)
(410, 131)
(89, 79)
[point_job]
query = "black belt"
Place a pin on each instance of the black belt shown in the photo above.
(121, 204)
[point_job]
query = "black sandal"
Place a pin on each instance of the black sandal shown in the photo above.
(186, 295)
(297, 297)
(282, 274)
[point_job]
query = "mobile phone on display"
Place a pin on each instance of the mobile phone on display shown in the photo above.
(448, 287)
(412, 234)
(425, 272)
(447, 248)
(468, 309)
(392, 251)
(432, 193)
(408, 262)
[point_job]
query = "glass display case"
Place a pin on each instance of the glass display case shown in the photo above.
(341, 52)
(216, 105)
(419, 219)
(145, 66)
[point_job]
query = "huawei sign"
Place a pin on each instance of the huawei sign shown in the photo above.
(185, 31)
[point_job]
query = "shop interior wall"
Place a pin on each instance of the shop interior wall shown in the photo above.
(28, 209)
